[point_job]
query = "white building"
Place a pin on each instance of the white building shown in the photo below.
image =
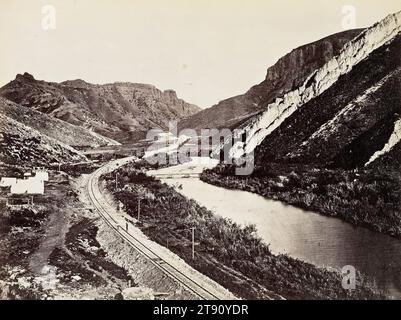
(42, 175)
(7, 182)
(32, 185)
(29, 185)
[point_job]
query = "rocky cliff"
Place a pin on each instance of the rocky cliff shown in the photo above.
(354, 52)
(287, 74)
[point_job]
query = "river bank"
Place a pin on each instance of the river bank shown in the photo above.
(364, 198)
(226, 252)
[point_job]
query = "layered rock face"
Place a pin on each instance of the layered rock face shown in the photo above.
(345, 125)
(354, 52)
(390, 156)
(394, 140)
(288, 73)
(360, 127)
(118, 110)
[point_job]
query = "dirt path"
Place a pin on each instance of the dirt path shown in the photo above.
(57, 223)
(55, 230)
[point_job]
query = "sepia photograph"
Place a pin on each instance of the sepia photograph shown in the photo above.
(180, 151)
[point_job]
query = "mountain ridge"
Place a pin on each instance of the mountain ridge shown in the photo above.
(332, 145)
(120, 110)
(288, 72)
(258, 128)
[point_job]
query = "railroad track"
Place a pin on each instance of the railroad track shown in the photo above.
(103, 209)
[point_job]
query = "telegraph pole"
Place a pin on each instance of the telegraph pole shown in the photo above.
(193, 243)
(139, 208)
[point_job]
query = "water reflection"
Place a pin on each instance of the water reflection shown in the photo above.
(305, 235)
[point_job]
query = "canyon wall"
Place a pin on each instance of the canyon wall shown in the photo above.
(260, 126)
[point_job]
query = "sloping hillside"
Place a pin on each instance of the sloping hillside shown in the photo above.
(121, 111)
(332, 145)
(20, 144)
(288, 73)
(338, 75)
(72, 135)
(347, 124)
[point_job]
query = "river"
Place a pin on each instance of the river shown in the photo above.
(308, 236)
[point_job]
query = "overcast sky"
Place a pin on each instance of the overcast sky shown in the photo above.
(205, 50)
